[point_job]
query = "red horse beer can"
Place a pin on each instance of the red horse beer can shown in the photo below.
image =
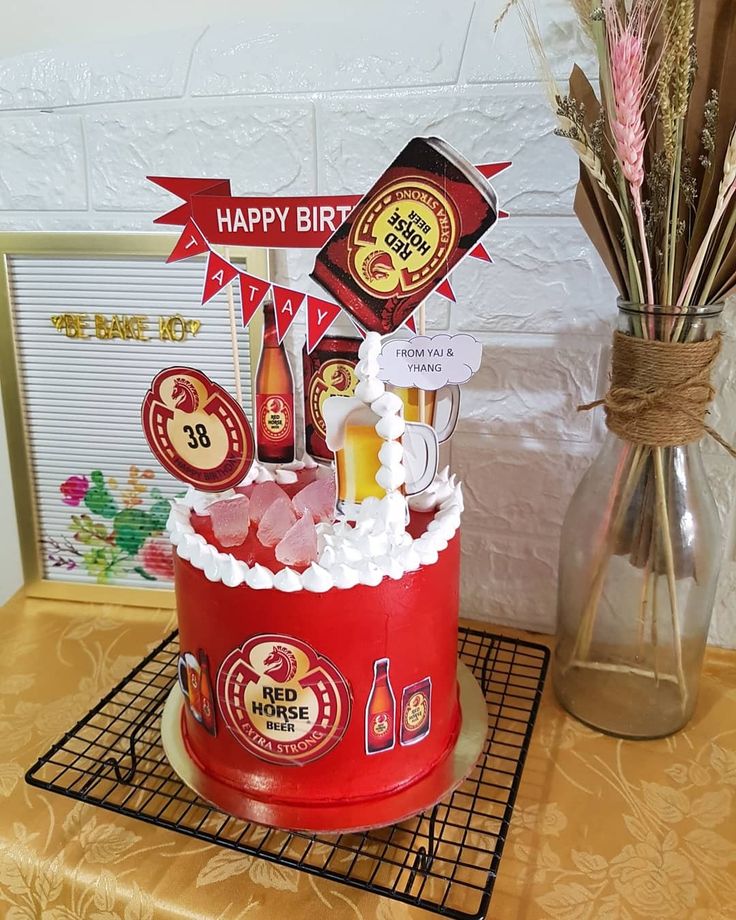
(416, 711)
(421, 217)
(328, 371)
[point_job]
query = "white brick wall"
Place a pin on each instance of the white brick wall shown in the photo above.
(282, 103)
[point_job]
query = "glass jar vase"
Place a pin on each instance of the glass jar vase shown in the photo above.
(639, 559)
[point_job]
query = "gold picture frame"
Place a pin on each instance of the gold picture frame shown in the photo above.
(75, 245)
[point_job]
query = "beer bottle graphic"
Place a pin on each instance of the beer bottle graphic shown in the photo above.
(274, 397)
(380, 711)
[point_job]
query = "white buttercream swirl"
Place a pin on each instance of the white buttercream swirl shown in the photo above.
(288, 580)
(377, 546)
(259, 577)
(438, 490)
(286, 477)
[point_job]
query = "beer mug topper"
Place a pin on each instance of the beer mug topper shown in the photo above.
(196, 430)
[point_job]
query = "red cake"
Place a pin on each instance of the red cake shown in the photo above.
(322, 694)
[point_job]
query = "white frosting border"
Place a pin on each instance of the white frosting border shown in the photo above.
(361, 555)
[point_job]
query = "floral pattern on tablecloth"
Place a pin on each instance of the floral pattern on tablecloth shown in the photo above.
(603, 829)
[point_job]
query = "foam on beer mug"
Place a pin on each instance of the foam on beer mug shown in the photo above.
(298, 546)
(335, 412)
(230, 520)
(263, 495)
(276, 521)
(317, 498)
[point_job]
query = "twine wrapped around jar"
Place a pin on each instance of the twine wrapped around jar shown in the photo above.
(660, 391)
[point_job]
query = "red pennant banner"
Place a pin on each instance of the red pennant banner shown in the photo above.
(252, 292)
(321, 314)
(304, 222)
(190, 243)
(411, 324)
(186, 189)
(489, 170)
(219, 274)
(286, 306)
(445, 290)
(480, 252)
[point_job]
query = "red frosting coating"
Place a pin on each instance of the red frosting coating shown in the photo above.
(412, 622)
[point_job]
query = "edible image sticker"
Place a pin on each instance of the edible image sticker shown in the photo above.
(196, 430)
(416, 703)
(206, 695)
(196, 685)
(380, 711)
(283, 701)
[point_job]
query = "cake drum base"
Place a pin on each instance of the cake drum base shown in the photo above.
(337, 817)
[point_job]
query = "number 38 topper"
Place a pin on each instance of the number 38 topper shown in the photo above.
(196, 430)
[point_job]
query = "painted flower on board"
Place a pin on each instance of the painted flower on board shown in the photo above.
(156, 558)
(74, 490)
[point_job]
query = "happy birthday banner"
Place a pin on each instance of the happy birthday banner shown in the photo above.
(211, 215)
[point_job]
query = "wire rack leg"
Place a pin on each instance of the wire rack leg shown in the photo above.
(125, 776)
(424, 856)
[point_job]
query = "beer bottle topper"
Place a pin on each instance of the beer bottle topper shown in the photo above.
(196, 430)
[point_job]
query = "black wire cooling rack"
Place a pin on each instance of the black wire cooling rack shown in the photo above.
(444, 861)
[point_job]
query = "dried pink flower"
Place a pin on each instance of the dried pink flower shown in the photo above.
(627, 74)
(628, 44)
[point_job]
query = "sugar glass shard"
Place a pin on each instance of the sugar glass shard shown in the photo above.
(230, 520)
(318, 498)
(276, 521)
(299, 544)
(263, 495)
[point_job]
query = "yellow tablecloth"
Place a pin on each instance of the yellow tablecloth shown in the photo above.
(603, 829)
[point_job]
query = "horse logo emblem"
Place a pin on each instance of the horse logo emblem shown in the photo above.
(283, 701)
(196, 430)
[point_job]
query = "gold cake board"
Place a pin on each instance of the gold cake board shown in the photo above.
(337, 817)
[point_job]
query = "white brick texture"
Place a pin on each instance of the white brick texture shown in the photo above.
(111, 72)
(318, 98)
(499, 54)
(359, 135)
(42, 163)
(380, 46)
(264, 147)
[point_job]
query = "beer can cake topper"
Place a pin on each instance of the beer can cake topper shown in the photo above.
(196, 430)
(422, 216)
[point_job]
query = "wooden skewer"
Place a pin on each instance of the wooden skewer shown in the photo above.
(422, 394)
(234, 334)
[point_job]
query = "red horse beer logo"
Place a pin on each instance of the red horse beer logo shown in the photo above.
(275, 416)
(402, 238)
(196, 430)
(282, 701)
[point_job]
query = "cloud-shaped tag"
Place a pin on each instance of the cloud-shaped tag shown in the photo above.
(430, 362)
